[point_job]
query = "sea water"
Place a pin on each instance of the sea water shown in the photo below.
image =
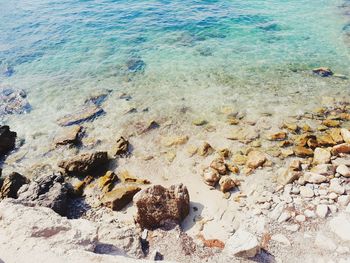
(173, 58)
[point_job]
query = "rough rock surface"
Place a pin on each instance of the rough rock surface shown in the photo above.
(11, 184)
(242, 244)
(13, 101)
(88, 113)
(7, 140)
(47, 190)
(84, 163)
(69, 135)
(157, 206)
(120, 196)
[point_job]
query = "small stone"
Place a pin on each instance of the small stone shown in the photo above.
(218, 164)
(300, 218)
(7, 139)
(323, 169)
(199, 122)
(121, 146)
(287, 152)
(126, 177)
(225, 153)
(306, 191)
(309, 213)
(335, 187)
(343, 170)
(279, 136)
(192, 150)
(288, 176)
(11, 184)
(345, 133)
(303, 152)
(325, 140)
(69, 135)
(232, 168)
(295, 165)
(242, 244)
(211, 177)
(321, 156)
(314, 178)
(226, 183)
(344, 200)
(290, 126)
(332, 196)
(255, 159)
(322, 211)
(331, 123)
(239, 159)
(174, 140)
(205, 149)
(284, 217)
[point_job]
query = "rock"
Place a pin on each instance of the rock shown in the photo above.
(340, 161)
(341, 148)
(85, 163)
(323, 71)
(309, 213)
(158, 206)
(226, 183)
(243, 134)
(322, 211)
(199, 122)
(340, 225)
(218, 164)
(324, 242)
(78, 187)
(314, 178)
(325, 140)
(121, 147)
(13, 101)
(279, 136)
(232, 168)
(331, 123)
(336, 135)
(239, 159)
(242, 244)
(205, 149)
(106, 182)
(345, 133)
(287, 152)
(126, 177)
(255, 159)
(306, 191)
(293, 127)
(48, 191)
(344, 200)
(7, 140)
(68, 136)
(323, 169)
(295, 165)
(321, 156)
(288, 176)
(134, 65)
(120, 196)
(11, 184)
(335, 187)
(174, 140)
(303, 152)
(281, 239)
(88, 113)
(343, 170)
(300, 218)
(224, 153)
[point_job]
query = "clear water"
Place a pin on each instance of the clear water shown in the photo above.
(169, 55)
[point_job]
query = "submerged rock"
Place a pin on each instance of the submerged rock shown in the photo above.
(85, 163)
(13, 101)
(69, 136)
(323, 71)
(7, 140)
(158, 206)
(48, 191)
(120, 196)
(87, 113)
(121, 146)
(135, 65)
(11, 184)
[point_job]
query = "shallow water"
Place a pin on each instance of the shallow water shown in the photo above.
(170, 56)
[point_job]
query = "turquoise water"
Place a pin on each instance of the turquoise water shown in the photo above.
(170, 55)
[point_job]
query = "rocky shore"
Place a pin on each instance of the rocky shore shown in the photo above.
(247, 188)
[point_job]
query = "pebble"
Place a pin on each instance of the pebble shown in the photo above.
(300, 218)
(322, 211)
(343, 170)
(309, 213)
(306, 191)
(332, 196)
(335, 186)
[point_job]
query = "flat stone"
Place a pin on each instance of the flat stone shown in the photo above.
(88, 113)
(69, 135)
(314, 178)
(340, 225)
(120, 196)
(255, 159)
(343, 170)
(321, 156)
(242, 244)
(303, 151)
(306, 191)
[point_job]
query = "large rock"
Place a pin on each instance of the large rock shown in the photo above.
(85, 163)
(12, 183)
(13, 101)
(242, 244)
(321, 156)
(88, 113)
(7, 140)
(158, 206)
(120, 196)
(48, 191)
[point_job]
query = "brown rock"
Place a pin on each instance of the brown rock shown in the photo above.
(288, 176)
(85, 163)
(78, 188)
(341, 148)
(225, 153)
(121, 146)
(303, 152)
(232, 168)
(205, 149)
(158, 206)
(218, 164)
(295, 165)
(226, 183)
(323, 71)
(239, 159)
(69, 135)
(301, 140)
(279, 136)
(255, 159)
(7, 140)
(211, 177)
(106, 183)
(325, 140)
(120, 196)
(126, 177)
(11, 184)
(331, 123)
(336, 135)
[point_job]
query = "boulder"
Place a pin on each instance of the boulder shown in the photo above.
(158, 206)
(121, 146)
(48, 191)
(68, 136)
(120, 196)
(85, 163)
(7, 140)
(12, 183)
(242, 244)
(321, 156)
(255, 159)
(87, 113)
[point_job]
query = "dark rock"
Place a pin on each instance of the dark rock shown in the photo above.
(323, 72)
(13, 101)
(7, 140)
(160, 207)
(88, 113)
(98, 98)
(11, 184)
(85, 163)
(118, 198)
(48, 191)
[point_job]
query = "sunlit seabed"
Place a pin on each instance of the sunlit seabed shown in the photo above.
(169, 56)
